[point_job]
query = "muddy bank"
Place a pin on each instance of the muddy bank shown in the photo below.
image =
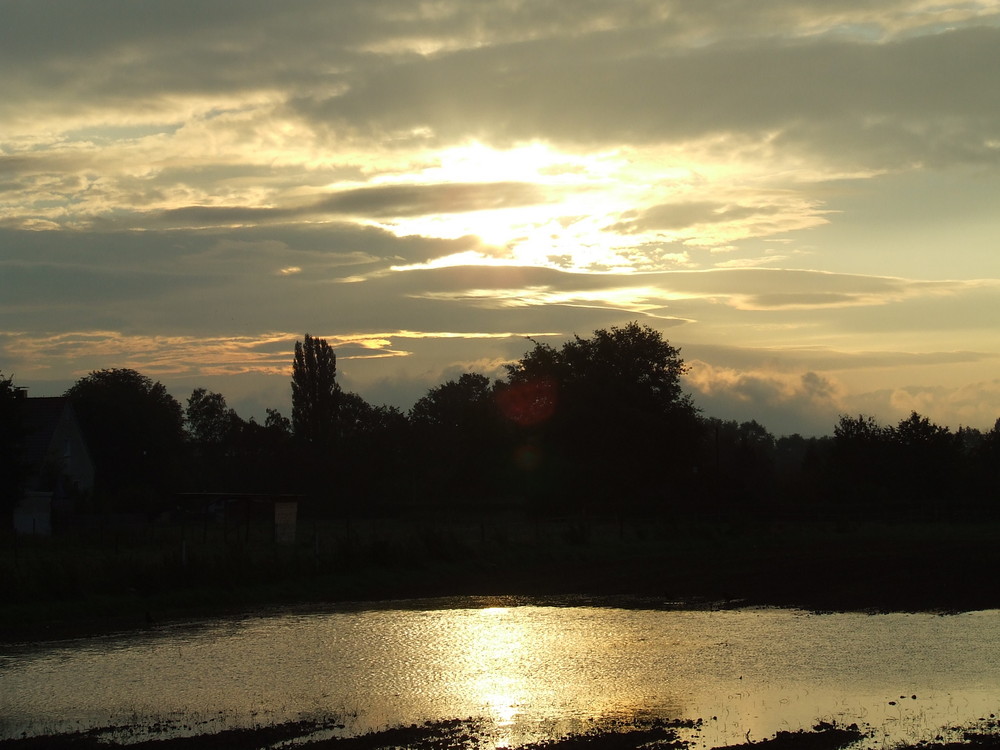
(469, 734)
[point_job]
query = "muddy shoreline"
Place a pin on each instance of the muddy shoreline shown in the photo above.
(471, 734)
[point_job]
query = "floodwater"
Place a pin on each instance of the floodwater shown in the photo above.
(529, 671)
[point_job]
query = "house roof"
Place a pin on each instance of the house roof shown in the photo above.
(41, 417)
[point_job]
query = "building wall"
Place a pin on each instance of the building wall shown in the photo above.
(33, 514)
(70, 451)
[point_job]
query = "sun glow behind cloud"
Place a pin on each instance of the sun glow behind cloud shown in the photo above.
(648, 207)
(599, 208)
(581, 192)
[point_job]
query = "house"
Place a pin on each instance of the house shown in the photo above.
(58, 461)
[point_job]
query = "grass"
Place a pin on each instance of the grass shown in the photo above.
(98, 578)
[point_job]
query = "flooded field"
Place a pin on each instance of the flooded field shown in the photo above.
(525, 673)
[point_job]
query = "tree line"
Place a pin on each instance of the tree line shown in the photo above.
(597, 425)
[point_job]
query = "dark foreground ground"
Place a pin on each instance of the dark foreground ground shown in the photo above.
(469, 735)
(77, 585)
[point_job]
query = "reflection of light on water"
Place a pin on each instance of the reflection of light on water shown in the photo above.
(504, 709)
(530, 673)
(496, 651)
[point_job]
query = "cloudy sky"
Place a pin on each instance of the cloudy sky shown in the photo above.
(803, 195)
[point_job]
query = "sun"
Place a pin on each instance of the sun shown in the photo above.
(578, 197)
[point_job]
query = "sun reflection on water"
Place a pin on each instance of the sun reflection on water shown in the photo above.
(496, 651)
(528, 672)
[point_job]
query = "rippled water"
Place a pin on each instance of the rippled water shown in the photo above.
(531, 671)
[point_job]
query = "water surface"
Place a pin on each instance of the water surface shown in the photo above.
(530, 671)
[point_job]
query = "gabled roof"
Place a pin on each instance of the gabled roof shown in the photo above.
(41, 418)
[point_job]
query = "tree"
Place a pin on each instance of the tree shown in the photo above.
(802, 471)
(609, 412)
(457, 433)
(209, 421)
(986, 470)
(909, 469)
(216, 436)
(636, 362)
(262, 457)
(633, 365)
(741, 459)
(925, 465)
(462, 403)
(135, 430)
(375, 454)
(316, 396)
(277, 423)
(13, 469)
(860, 455)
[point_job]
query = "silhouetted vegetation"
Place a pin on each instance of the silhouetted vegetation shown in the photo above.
(316, 396)
(135, 433)
(13, 431)
(605, 422)
(598, 425)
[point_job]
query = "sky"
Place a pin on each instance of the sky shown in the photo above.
(801, 195)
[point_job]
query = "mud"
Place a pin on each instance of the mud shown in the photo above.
(470, 734)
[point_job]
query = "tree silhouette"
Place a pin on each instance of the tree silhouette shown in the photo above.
(909, 470)
(457, 433)
(215, 435)
(262, 457)
(466, 403)
(277, 423)
(377, 457)
(741, 462)
(609, 414)
(135, 432)
(13, 469)
(316, 396)
(596, 424)
(986, 471)
(860, 457)
(209, 420)
(925, 464)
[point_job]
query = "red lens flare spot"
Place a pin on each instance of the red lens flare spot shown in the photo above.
(529, 403)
